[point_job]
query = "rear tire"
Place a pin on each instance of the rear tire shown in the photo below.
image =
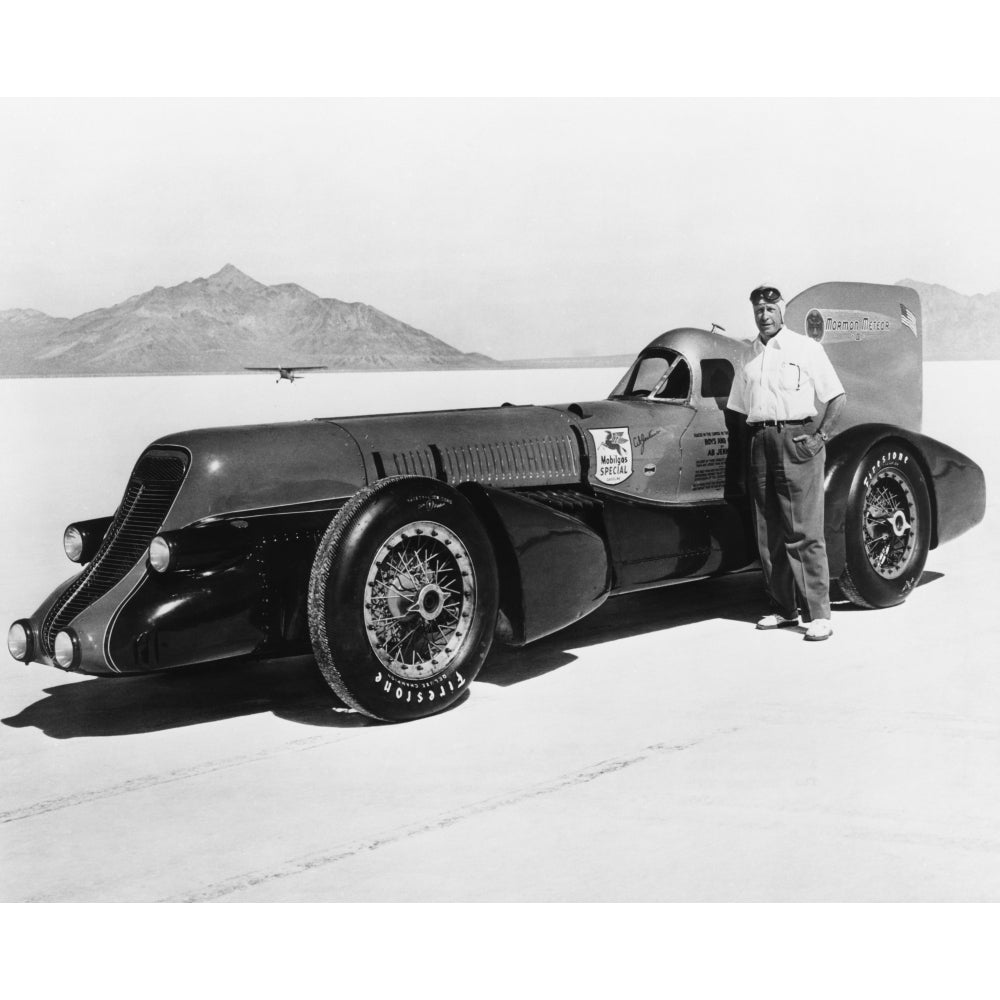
(888, 527)
(403, 599)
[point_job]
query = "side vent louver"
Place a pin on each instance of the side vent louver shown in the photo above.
(527, 462)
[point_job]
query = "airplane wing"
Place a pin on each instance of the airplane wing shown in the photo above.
(246, 368)
(307, 368)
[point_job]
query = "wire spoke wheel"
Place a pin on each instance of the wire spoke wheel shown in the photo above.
(887, 527)
(420, 594)
(890, 523)
(403, 599)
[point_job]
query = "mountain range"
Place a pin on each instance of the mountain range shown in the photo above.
(222, 323)
(958, 327)
(229, 321)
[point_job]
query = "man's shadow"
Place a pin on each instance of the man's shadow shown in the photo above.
(294, 689)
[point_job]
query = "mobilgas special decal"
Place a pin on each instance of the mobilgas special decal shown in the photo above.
(614, 455)
(837, 325)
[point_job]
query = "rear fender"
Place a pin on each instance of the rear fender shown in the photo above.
(956, 484)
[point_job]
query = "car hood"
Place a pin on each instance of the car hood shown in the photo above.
(230, 470)
(259, 467)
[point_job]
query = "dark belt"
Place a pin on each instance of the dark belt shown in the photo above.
(779, 423)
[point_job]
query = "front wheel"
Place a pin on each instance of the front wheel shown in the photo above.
(403, 599)
(888, 527)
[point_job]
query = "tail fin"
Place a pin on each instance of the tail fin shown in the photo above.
(873, 334)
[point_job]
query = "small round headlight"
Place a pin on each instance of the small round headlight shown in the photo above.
(19, 641)
(65, 650)
(73, 543)
(159, 554)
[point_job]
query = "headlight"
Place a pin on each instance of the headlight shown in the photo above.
(159, 554)
(66, 649)
(82, 539)
(20, 641)
(73, 543)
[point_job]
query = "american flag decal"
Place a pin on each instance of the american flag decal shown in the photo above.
(907, 318)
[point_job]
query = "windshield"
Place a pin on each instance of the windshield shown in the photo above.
(662, 375)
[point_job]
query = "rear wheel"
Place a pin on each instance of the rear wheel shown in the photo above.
(403, 599)
(888, 527)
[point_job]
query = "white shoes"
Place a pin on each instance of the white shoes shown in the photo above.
(776, 621)
(818, 630)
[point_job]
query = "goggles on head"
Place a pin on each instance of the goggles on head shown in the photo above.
(764, 293)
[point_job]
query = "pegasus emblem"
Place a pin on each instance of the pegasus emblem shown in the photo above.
(613, 440)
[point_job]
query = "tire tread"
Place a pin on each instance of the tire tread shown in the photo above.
(851, 591)
(853, 586)
(344, 520)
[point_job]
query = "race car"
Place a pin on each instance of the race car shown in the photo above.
(396, 548)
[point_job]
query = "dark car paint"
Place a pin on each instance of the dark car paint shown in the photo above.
(956, 485)
(255, 501)
(239, 470)
(556, 567)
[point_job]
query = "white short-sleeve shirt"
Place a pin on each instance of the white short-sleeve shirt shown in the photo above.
(782, 379)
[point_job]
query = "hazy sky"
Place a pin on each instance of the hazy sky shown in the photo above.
(513, 227)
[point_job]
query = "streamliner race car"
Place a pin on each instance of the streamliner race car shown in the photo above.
(396, 547)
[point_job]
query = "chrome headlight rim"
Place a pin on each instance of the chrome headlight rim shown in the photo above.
(73, 543)
(160, 554)
(21, 641)
(66, 649)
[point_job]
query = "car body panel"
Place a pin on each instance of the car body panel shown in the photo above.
(873, 334)
(957, 486)
(164, 622)
(557, 570)
(305, 461)
(506, 446)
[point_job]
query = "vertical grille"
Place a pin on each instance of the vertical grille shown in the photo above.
(154, 483)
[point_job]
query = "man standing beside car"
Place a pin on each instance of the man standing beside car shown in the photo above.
(776, 389)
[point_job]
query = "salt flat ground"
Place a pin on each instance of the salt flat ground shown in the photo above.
(659, 750)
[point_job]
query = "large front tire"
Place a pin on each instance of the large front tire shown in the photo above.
(888, 527)
(403, 599)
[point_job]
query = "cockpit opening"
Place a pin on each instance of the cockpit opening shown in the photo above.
(662, 375)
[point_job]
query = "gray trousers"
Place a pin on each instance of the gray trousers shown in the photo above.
(786, 483)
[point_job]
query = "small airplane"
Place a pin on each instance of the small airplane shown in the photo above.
(288, 371)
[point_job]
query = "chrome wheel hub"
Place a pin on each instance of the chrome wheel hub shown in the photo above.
(420, 598)
(430, 602)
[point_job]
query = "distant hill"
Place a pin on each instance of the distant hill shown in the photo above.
(593, 361)
(228, 321)
(219, 324)
(958, 327)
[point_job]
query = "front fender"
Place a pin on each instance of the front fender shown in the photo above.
(553, 568)
(261, 560)
(179, 619)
